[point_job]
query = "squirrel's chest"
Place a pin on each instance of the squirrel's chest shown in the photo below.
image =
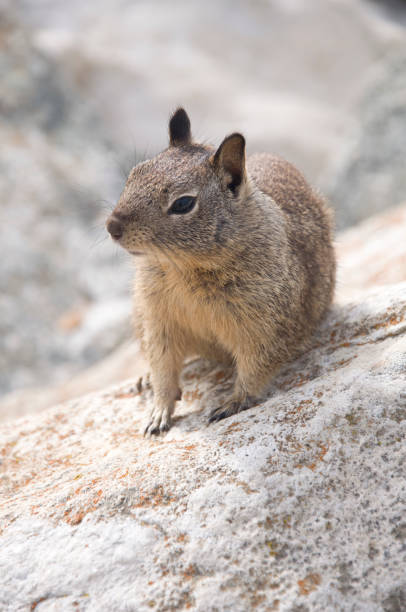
(202, 302)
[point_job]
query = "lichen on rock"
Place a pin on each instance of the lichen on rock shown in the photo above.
(296, 502)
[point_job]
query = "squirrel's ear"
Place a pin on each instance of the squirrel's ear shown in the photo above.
(229, 159)
(179, 128)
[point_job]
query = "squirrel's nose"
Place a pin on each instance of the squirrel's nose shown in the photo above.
(114, 228)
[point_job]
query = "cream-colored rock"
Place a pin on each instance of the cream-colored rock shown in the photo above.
(372, 253)
(296, 504)
(125, 362)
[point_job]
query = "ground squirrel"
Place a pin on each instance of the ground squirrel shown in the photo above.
(236, 263)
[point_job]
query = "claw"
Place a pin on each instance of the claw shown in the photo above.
(139, 385)
(161, 413)
(151, 429)
(158, 424)
(214, 418)
(143, 383)
(223, 412)
(155, 431)
(230, 408)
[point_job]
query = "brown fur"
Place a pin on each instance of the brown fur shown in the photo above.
(243, 278)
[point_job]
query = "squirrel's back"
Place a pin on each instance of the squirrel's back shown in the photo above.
(309, 227)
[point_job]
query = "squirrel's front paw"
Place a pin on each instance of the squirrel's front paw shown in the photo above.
(233, 406)
(160, 420)
(160, 417)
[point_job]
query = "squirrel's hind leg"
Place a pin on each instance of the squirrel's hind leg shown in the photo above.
(253, 376)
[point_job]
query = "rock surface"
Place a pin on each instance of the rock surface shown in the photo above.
(125, 362)
(372, 172)
(296, 504)
(58, 284)
(268, 68)
(371, 253)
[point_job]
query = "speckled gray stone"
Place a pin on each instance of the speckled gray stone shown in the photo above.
(297, 504)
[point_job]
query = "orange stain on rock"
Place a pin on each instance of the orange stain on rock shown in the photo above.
(157, 497)
(234, 426)
(296, 381)
(190, 572)
(125, 395)
(319, 458)
(182, 538)
(309, 584)
(394, 320)
(71, 320)
(76, 518)
(97, 496)
(191, 396)
(36, 603)
(245, 486)
(303, 404)
(342, 362)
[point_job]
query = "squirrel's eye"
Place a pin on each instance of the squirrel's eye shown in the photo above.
(182, 205)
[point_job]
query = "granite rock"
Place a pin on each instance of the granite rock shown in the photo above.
(372, 253)
(370, 172)
(56, 167)
(296, 504)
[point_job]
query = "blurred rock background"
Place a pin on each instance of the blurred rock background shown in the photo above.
(85, 92)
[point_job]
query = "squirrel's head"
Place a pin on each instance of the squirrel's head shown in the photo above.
(183, 201)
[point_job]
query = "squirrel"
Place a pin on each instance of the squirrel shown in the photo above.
(236, 264)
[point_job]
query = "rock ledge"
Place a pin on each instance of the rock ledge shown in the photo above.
(297, 504)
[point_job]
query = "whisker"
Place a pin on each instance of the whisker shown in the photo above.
(166, 254)
(98, 241)
(105, 205)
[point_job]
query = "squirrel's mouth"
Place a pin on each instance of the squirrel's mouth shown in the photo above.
(137, 253)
